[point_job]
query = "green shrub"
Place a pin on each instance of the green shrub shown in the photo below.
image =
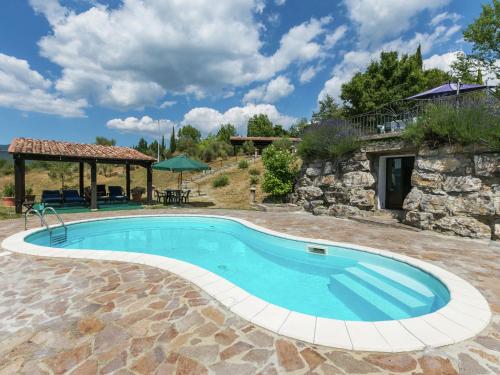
(220, 181)
(254, 180)
(328, 140)
(254, 172)
(444, 123)
(281, 170)
(243, 164)
(283, 144)
(8, 190)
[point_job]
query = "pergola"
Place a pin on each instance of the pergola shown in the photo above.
(23, 149)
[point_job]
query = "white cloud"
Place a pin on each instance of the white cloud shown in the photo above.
(168, 104)
(208, 120)
(379, 19)
(355, 61)
(308, 74)
(441, 17)
(271, 92)
(442, 62)
(333, 38)
(145, 125)
(280, 2)
(130, 56)
(52, 9)
(27, 90)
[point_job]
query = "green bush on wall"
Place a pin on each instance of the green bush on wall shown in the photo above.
(445, 123)
(328, 140)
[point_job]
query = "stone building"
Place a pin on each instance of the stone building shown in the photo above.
(453, 190)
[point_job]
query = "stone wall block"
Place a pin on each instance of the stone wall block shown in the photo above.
(358, 179)
(435, 204)
(330, 167)
(313, 171)
(496, 229)
(446, 164)
(477, 204)
(461, 184)
(362, 198)
(355, 166)
(463, 226)
(422, 220)
(487, 165)
(426, 180)
(304, 181)
(310, 192)
(328, 180)
(413, 199)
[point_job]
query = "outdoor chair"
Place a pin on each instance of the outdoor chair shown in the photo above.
(160, 197)
(51, 196)
(185, 196)
(72, 197)
(101, 191)
(116, 194)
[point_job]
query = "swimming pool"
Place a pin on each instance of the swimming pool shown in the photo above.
(343, 284)
(262, 275)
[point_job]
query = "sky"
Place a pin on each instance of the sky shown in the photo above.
(124, 69)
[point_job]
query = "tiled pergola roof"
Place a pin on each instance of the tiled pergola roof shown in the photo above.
(74, 151)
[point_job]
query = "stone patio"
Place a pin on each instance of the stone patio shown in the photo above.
(86, 317)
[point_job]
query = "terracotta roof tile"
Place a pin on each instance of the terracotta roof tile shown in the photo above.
(75, 150)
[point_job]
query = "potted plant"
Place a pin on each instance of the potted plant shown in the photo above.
(8, 199)
(29, 196)
(137, 193)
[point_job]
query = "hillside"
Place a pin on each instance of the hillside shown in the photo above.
(235, 195)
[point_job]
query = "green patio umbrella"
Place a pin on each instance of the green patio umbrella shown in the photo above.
(180, 163)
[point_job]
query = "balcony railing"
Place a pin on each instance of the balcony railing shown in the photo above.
(394, 117)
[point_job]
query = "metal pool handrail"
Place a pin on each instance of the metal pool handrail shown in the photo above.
(53, 239)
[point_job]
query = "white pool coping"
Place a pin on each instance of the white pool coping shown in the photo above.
(463, 317)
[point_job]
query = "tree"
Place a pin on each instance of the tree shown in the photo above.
(142, 146)
(61, 171)
(296, 130)
(328, 110)
(281, 170)
(226, 132)
(260, 126)
(105, 141)
(389, 79)
(173, 145)
(464, 70)
(189, 132)
(484, 35)
(279, 131)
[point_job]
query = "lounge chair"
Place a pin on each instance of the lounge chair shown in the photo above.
(101, 191)
(116, 194)
(72, 197)
(50, 197)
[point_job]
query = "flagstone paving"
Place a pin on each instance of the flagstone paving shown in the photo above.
(73, 316)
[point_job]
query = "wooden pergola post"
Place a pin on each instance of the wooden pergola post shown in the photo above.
(82, 171)
(20, 183)
(93, 185)
(127, 180)
(149, 183)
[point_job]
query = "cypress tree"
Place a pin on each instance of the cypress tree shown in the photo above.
(173, 144)
(418, 58)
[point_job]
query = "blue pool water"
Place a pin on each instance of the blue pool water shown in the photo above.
(345, 284)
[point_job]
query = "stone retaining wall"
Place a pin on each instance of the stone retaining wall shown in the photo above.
(455, 190)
